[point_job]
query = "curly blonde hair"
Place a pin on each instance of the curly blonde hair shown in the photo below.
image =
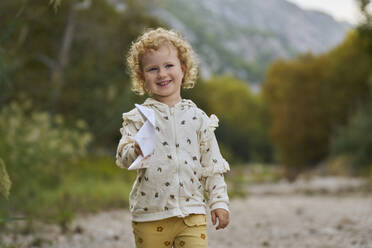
(151, 40)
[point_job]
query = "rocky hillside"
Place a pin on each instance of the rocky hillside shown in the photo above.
(242, 37)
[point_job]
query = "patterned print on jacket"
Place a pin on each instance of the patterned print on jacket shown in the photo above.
(185, 162)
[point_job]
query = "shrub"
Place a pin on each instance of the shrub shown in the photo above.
(355, 140)
(36, 148)
(4, 180)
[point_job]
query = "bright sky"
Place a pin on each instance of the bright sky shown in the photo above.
(343, 10)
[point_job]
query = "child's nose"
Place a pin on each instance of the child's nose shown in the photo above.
(161, 72)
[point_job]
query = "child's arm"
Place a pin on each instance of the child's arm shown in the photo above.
(218, 200)
(128, 150)
(214, 167)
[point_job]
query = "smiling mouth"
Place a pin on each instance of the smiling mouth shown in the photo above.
(164, 83)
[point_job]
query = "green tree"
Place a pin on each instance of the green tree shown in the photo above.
(36, 149)
(242, 114)
(71, 61)
(309, 96)
(353, 139)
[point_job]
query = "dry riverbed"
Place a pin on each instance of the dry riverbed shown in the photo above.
(319, 213)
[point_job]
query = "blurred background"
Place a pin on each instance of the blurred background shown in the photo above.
(290, 81)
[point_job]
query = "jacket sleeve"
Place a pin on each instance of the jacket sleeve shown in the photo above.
(213, 165)
(125, 154)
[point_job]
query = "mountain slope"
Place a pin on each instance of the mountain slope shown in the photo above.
(242, 37)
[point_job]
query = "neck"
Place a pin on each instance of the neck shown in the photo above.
(170, 101)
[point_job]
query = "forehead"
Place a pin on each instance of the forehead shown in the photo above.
(162, 54)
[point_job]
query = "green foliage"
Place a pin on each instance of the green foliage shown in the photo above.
(10, 246)
(90, 184)
(51, 180)
(364, 6)
(97, 183)
(309, 96)
(355, 140)
(71, 61)
(36, 149)
(243, 119)
(55, 3)
(5, 182)
(290, 88)
(243, 175)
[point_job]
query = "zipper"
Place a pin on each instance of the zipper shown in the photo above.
(171, 110)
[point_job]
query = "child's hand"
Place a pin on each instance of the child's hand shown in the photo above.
(137, 149)
(223, 218)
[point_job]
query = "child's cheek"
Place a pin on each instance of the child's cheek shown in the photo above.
(145, 81)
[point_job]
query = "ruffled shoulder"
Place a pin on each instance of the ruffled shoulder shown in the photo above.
(219, 166)
(213, 162)
(208, 125)
(213, 122)
(132, 117)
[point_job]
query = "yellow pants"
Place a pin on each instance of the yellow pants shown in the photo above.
(188, 232)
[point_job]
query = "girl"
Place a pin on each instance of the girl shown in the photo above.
(167, 200)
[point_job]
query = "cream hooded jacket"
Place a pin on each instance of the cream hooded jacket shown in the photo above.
(185, 164)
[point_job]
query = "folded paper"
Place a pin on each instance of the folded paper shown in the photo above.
(145, 137)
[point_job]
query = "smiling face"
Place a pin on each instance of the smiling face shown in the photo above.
(163, 74)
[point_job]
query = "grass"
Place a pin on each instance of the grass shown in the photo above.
(88, 185)
(242, 175)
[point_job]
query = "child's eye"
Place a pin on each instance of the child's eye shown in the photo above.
(152, 69)
(169, 65)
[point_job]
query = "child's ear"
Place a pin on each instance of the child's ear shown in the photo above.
(183, 68)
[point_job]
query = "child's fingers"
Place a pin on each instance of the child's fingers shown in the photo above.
(137, 149)
(222, 222)
(213, 215)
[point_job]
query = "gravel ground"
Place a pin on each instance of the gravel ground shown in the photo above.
(267, 217)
